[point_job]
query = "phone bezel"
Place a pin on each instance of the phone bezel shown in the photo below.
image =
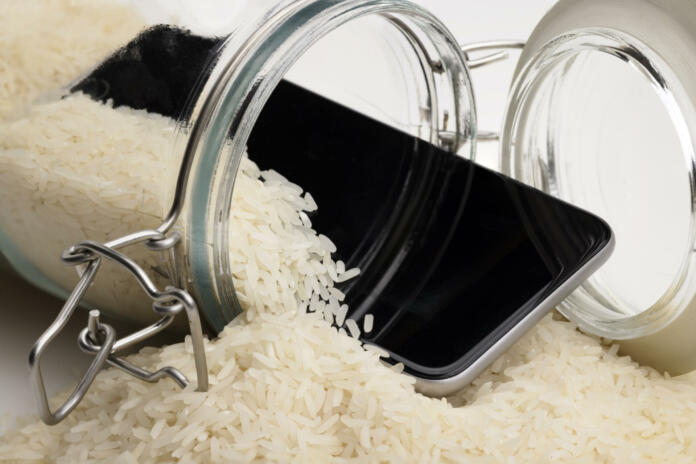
(460, 379)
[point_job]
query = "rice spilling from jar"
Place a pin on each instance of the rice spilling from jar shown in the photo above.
(286, 384)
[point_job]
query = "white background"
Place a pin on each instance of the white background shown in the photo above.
(27, 312)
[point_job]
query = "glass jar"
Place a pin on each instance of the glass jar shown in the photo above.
(601, 114)
(415, 77)
(139, 153)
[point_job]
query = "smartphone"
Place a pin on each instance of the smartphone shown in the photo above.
(457, 261)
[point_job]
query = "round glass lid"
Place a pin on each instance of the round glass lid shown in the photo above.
(596, 118)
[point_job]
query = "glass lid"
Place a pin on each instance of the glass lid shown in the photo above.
(602, 119)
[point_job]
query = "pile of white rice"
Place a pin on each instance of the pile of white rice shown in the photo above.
(286, 385)
(278, 261)
(81, 170)
(288, 388)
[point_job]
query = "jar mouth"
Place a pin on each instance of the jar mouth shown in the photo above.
(597, 118)
(249, 68)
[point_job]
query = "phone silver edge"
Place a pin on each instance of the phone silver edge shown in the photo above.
(448, 386)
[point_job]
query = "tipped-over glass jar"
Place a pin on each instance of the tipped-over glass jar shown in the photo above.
(99, 159)
(129, 169)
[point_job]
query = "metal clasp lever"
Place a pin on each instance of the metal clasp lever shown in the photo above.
(100, 339)
(502, 54)
(93, 340)
(58, 324)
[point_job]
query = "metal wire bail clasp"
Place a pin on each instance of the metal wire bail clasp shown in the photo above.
(502, 53)
(99, 339)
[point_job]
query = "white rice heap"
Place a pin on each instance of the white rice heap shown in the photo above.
(278, 261)
(286, 386)
(81, 170)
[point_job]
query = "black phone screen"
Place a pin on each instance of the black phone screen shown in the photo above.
(452, 254)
